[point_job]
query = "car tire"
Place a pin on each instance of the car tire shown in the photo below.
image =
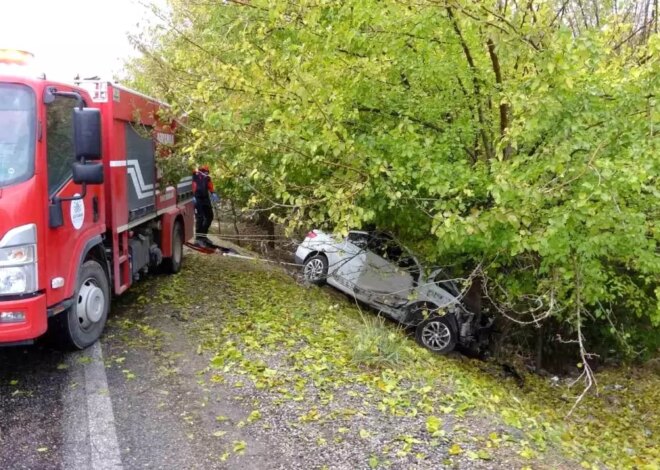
(436, 334)
(315, 269)
(82, 324)
(173, 265)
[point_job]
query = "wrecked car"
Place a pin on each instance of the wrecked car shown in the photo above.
(377, 271)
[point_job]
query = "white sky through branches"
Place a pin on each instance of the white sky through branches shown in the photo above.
(69, 37)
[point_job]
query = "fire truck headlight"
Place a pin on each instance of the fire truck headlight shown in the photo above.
(17, 280)
(18, 261)
(17, 255)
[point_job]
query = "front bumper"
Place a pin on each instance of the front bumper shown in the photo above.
(35, 323)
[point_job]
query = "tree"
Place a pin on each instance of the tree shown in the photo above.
(517, 137)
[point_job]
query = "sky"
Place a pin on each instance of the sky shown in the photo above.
(70, 37)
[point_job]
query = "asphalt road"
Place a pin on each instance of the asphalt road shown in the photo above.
(31, 407)
(56, 410)
(125, 403)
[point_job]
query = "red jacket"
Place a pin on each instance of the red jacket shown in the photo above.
(209, 184)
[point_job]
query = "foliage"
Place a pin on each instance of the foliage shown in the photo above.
(296, 345)
(520, 138)
(374, 344)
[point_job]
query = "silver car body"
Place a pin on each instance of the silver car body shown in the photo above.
(381, 283)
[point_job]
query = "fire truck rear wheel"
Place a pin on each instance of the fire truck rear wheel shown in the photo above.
(173, 265)
(82, 324)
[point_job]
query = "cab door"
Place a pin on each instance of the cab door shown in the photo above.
(82, 219)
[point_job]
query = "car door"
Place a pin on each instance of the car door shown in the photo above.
(348, 261)
(385, 282)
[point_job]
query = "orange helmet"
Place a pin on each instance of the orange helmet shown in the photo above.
(204, 168)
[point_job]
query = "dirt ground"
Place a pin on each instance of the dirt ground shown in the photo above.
(227, 421)
(234, 364)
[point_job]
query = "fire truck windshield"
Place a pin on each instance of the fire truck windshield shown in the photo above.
(17, 133)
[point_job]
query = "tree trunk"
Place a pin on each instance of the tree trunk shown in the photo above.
(539, 349)
(265, 223)
(233, 211)
(473, 296)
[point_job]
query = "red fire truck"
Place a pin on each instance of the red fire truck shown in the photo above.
(83, 213)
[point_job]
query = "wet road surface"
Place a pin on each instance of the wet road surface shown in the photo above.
(124, 403)
(31, 391)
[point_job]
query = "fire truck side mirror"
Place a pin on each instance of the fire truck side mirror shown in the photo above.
(87, 133)
(90, 173)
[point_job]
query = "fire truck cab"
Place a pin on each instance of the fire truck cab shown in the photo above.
(83, 213)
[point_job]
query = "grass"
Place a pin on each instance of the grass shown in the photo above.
(256, 322)
(376, 344)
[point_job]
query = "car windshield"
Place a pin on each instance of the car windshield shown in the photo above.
(385, 246)
(443, 280)
(17, 133)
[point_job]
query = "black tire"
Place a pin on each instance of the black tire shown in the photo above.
(437, 334)
(173, 265)
(82, 324)
(315, 269)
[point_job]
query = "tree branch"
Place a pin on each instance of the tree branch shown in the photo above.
(399, 115)
(587, 374)
(475, 81)
(504, 107)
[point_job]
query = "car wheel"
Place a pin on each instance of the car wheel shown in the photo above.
(82, 324)
(437, 334)
(315, 269)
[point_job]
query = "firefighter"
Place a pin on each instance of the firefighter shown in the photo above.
(204, 195)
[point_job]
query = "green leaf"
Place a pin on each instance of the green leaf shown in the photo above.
(239, 446)
(433, 424)
(254, 416)
(455, 449)
(484, 455)
(527, 453)
(128, 374)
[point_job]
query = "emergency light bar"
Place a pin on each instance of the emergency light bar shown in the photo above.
(18, 62)
(15, 57)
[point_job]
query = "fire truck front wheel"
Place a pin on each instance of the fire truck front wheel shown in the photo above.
(82, 324)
